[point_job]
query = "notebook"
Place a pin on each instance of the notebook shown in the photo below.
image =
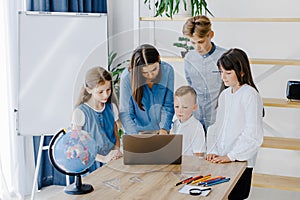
(150, 149)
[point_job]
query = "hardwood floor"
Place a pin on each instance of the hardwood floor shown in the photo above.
(47, 193)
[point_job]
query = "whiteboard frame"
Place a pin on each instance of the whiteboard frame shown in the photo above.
(40, 113)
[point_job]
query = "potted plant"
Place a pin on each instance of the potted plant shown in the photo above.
(183, 44)
(116, 71)
(171, 7)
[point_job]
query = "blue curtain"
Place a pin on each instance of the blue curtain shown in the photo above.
(48, 175)
(85, 6)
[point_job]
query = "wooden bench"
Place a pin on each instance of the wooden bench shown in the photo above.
(276, 182)
(281, 143)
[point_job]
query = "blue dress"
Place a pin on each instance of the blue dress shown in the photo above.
(100, 125)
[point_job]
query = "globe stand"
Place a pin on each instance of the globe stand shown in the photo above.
(78, 187)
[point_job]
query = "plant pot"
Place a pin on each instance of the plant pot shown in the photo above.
(183, 53)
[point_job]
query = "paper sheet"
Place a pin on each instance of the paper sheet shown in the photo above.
(186, 189)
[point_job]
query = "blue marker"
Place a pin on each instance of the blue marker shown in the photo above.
(217, 182)
(211, 181)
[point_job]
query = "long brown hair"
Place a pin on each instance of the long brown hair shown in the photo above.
(145, 54)
(93, 77)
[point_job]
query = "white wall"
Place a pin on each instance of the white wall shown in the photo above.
(277, 40)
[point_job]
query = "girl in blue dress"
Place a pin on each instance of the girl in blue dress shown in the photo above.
(96, 114)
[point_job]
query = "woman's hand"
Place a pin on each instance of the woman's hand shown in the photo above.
(163, 132)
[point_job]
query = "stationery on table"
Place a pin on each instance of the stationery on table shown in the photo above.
(194, 178)
(210, 180)
(189, 180)
(204, 178)
(217, 182)
(203, 184)
(194, 190)
(183, 181)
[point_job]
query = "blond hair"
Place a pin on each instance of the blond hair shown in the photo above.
(199, 26)
(186, 89)
(93, 77)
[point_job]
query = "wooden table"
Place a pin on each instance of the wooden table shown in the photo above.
(118, 181)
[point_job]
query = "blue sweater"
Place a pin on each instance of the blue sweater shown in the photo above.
(158, 103)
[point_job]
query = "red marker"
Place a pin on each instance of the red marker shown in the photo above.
(184, 181)
(195, 178)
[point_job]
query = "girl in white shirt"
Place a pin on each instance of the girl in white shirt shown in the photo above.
(237, 133)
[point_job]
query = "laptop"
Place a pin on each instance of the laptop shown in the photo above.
(152, 149)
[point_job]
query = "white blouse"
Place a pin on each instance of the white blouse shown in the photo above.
(238, 130)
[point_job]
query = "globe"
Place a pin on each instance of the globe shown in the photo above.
(72, 152)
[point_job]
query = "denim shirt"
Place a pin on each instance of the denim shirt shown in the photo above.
(158, 103)
(202, 73)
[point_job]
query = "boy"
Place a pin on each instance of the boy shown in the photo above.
(186, 124)
(200, 66)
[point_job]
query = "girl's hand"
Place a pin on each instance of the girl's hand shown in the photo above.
(221, 159)
(117, 155)
(210, 157)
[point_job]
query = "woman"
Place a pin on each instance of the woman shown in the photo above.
(146, 93)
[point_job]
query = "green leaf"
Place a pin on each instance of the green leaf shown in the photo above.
(171, 11)
(184, 4)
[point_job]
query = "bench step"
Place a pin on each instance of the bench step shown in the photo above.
(283, 103)
(281, 143)
(276, 182)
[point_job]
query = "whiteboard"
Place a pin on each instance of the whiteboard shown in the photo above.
(55, 51)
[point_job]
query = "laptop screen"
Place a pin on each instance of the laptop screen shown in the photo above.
(152, 149)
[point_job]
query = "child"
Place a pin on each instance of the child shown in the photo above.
(200, 66)
(237, 133)
(97, 115)
(146, 93)
(186, 124)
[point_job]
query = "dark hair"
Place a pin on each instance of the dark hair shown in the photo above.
(237, 60)
(142, 56)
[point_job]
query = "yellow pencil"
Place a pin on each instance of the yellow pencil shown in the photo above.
(202, 179)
